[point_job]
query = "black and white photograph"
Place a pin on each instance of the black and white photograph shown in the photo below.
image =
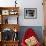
(30, 13)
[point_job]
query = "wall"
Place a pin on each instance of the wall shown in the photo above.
(31, 4)
(27, 4)
(28, 22)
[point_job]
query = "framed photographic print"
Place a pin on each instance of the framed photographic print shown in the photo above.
(30, 13)
(5, 12)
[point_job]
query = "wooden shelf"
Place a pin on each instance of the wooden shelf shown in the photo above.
(9, 8)
(4, 13)
(11, 26)
(9, 43)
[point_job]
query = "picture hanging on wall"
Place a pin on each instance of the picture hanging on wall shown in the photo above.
(30, 13)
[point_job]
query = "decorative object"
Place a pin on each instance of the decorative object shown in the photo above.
(6, 21)
(31, 41)
(5, 12)
(30, 13)
(7, 34)
(13, 12)
(15, 30)
(15, 3)
(30, 38)
(15, 37)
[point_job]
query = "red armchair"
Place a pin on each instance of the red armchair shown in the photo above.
(28, 34)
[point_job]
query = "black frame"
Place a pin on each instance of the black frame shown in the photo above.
(30, 13)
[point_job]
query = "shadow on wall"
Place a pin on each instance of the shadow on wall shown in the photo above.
(37, 29)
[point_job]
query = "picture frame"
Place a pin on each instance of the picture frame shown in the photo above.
(5, 12)
(13, 12)
(30, 13)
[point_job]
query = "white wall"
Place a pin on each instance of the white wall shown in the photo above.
(27, 4)
(31, 4)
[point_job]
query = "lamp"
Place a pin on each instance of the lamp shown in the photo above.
(15, 30)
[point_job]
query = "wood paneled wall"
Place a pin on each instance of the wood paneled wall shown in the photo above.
(44, 8)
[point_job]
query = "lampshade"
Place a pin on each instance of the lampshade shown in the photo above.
(15, 30)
